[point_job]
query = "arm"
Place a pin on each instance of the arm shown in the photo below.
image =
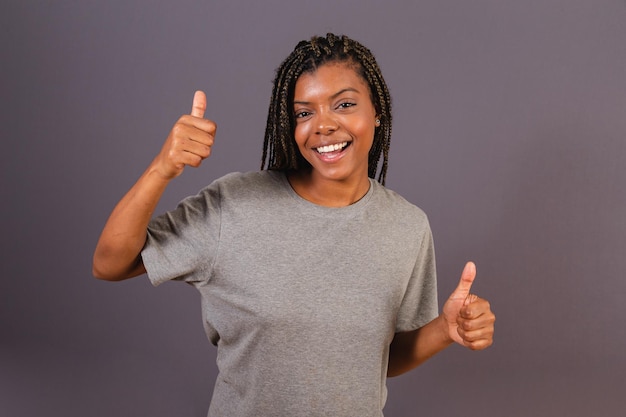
(466, 319)
(118, 252)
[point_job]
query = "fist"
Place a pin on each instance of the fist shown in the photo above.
(188, 143)
(469, 318)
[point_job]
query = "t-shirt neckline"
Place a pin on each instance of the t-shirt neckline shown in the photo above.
(313, 207)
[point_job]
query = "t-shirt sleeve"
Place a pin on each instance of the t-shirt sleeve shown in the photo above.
(419, 305)
(182, 244)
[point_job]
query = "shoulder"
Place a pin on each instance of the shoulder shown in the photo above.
(245, 188)
(251, 178)
(396, 203)
(255, 182)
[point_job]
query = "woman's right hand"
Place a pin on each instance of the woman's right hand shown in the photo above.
(188, 143)
(118, 252)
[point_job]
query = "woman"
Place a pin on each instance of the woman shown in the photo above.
(317, 282)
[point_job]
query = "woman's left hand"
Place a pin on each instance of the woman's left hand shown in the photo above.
(469, 319)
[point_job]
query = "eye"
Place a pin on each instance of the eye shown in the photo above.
(302, 114)
(346, 105)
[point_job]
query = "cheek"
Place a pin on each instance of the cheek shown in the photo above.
(365, 130)
(300, 134)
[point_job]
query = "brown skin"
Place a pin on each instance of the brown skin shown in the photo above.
(117, 255)
(332, 106)
(466, 319)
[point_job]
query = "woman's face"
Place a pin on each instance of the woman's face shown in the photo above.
(335, 122)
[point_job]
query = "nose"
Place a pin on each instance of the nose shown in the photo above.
(326, 123)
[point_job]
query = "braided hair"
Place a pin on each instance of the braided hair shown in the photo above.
(280, 151)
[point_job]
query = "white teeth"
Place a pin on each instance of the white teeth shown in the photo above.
(332, 148)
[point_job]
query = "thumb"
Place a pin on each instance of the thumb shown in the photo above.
(465, 283)
(199, 104)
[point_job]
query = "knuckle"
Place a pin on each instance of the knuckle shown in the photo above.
(185, 118)
(171, 154)
(196, 160)
(177, 130)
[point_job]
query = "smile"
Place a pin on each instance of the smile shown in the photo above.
(332, 148)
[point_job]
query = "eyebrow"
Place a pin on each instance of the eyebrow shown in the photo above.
(340, 92)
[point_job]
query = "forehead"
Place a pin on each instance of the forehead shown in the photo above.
(330, 78)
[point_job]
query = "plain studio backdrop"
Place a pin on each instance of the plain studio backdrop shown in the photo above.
(510, 132)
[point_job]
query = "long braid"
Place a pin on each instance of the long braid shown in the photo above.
(280, 151)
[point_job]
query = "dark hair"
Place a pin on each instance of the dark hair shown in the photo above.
(280, 151)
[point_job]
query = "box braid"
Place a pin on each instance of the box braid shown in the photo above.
(280, 151)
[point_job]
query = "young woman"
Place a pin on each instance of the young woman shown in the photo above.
(317, 282)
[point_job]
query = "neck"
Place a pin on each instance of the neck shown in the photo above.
(328, 193)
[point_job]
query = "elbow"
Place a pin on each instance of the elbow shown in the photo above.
(105, 270)
(98, 267)
(104, 275)
(100, 273)
(403, 353)
(393, 372)
(100, 276)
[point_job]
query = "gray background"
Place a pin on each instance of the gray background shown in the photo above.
(509, 131)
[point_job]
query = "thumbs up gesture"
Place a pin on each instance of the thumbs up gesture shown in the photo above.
(188, 143)
(469, 318)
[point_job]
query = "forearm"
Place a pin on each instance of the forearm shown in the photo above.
(118, 252)
(410, 349)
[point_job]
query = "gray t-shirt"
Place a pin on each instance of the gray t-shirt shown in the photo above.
(301, 300)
